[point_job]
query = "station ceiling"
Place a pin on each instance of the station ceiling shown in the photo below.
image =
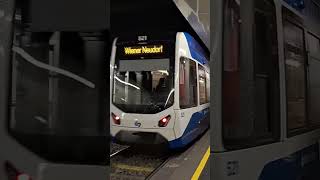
(197, 13)
(162, 16)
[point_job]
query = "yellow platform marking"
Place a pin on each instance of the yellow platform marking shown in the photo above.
(133, 168)
(202, 164)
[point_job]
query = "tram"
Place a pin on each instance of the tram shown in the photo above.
(265, 70)
(159, 89)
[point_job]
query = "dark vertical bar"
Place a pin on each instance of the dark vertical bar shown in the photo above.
(6, 28)
(216, 23)
(216, 64)
(54, 59)
(246, 69)
(96, 52)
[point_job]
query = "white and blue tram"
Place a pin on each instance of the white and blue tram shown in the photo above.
(159, 90)
(266, 90)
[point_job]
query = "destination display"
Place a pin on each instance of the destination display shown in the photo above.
(143, 51)
(140, 50)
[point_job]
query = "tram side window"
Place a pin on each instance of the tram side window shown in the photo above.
(314, 81)
(231, 69)
(251, 75)
(295, 76)
(203, 85)
(208, 87)
(266, 70)
(188, 83)
(313, 44)
(43, 101)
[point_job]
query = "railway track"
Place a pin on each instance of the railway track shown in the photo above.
(137, 163)
(118, 151)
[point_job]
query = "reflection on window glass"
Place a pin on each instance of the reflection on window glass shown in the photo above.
(313, 91)
(58, 93)
(266, 69)
(147, 91)
(48, 103)
(295, 75)
(314, 80)
(208, 86)
(30, 92)
(188, 83)
(250, 94)
(314, 44)
(231, 73)
(202, 85)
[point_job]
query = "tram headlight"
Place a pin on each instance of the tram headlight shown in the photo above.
(164, 121)
(23, 177)
(116, 119)
(14, 174)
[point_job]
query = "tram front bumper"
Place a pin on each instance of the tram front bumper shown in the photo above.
(124, 135)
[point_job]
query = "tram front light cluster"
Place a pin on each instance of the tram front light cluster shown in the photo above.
(164, 121)
(14, 174)
(23, 177)
(116, 119)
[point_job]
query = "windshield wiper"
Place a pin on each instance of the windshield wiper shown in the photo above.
(171, 92)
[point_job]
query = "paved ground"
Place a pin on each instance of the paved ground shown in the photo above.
(205, 175)
(184, 165)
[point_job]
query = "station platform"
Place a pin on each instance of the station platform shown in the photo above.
(205, 174)
(192, 164)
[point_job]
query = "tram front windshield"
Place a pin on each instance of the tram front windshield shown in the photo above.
(143, 85)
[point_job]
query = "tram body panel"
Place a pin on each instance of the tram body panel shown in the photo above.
(147, 123)
(285, 160)
(144, 121)
(189, 125)
(184, 117)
